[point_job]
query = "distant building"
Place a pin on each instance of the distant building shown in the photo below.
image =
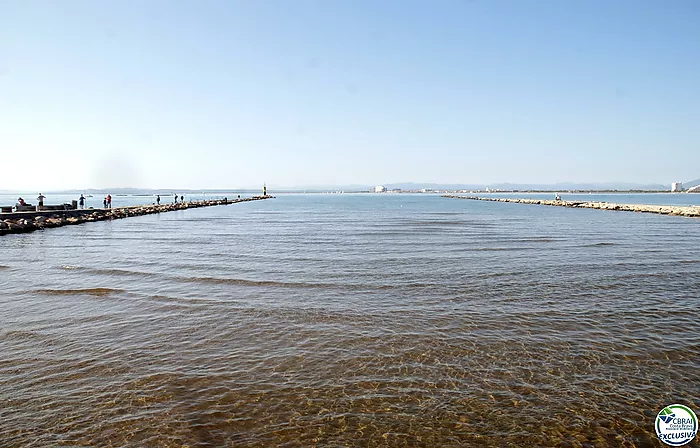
(695, 189)
(677, 186)
(380, 189)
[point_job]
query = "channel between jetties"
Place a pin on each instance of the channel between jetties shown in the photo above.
(689, 211)
(22, 222)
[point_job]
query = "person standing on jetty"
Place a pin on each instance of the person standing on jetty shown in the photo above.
(41, 199)
(182, 198)
(176, 198)
(81, 201)
(104, 202)
(109, 201)
(158, 200)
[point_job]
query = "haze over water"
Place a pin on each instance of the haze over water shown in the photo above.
(361, 320)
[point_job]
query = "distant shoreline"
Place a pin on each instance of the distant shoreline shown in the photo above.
(117, 193)
(485, 192)
(688, 211)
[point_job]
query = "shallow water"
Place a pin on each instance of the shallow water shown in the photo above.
(350, 320)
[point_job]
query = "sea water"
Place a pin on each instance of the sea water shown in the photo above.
(350, 320)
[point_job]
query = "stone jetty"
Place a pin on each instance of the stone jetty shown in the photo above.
(691, 211)
(21, 222)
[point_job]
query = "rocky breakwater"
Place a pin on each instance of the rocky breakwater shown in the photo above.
(690, 211)
(31, 221)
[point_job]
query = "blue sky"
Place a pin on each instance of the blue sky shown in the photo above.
(219, 94)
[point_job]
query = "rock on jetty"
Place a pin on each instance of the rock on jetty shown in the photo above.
(692, 211)
(30, 221)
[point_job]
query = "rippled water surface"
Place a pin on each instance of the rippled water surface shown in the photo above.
(350, 320)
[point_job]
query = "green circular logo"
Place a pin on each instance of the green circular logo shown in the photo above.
(676, 425)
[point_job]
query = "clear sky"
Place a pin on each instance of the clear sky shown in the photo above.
(219, 94)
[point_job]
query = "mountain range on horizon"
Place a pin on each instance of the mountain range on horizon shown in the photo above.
(592, 186)
(563, 186)
(525, 187)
